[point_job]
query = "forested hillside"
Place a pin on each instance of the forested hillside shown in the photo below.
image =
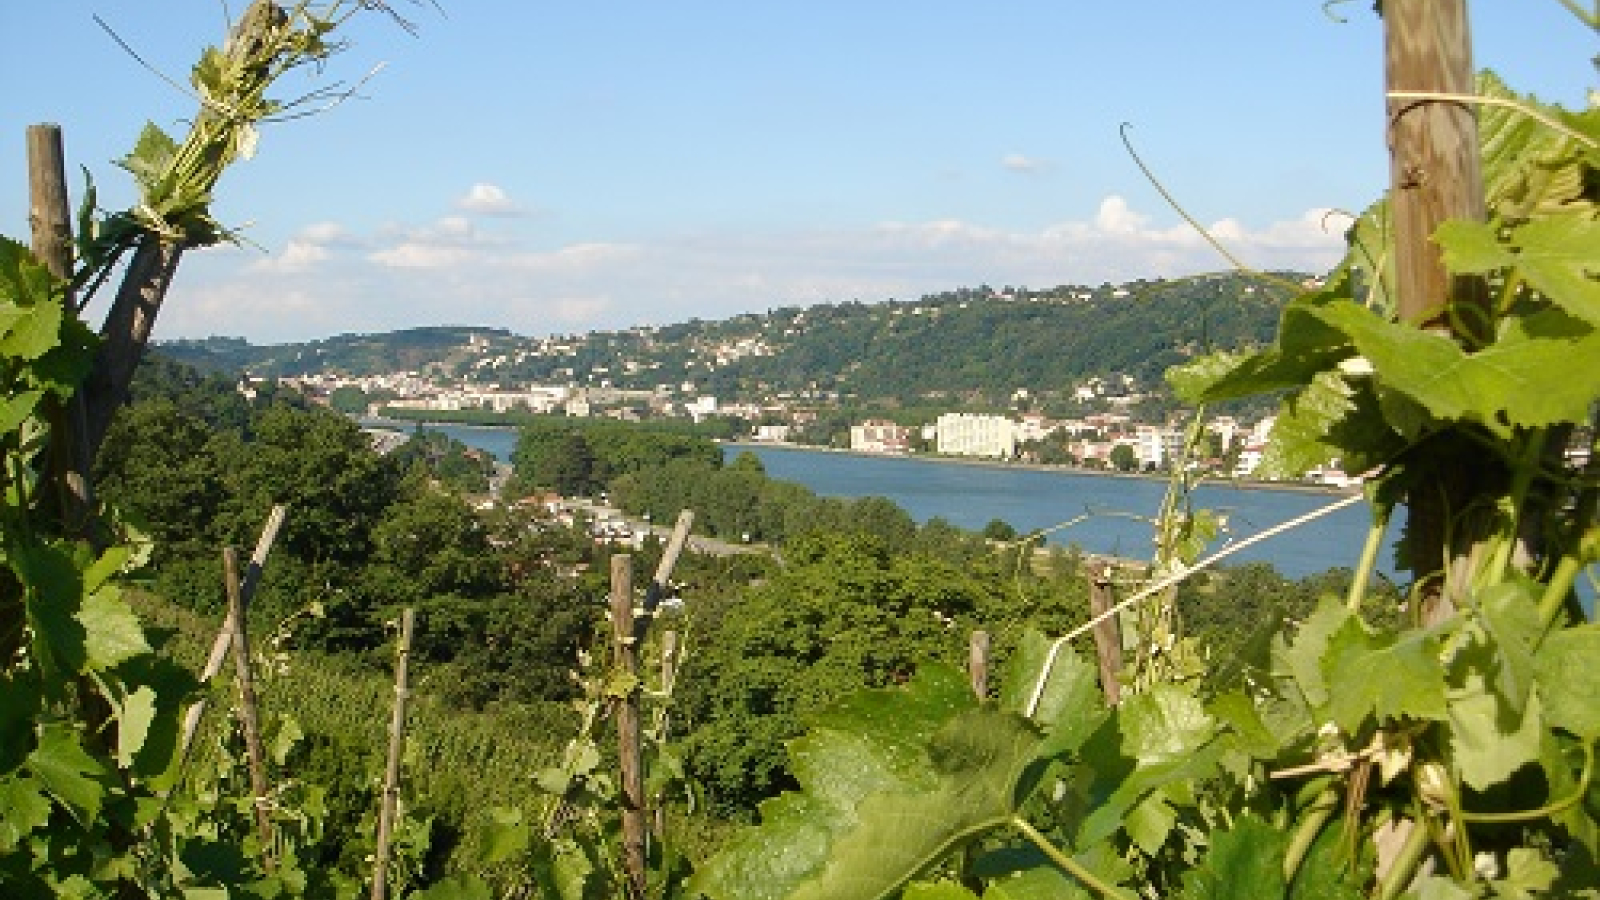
(978, 343)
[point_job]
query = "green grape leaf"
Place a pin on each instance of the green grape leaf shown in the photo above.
(25, 283)
(1238, 714)
(1556, 256)
(1569, 680)
(24, 806)
(1333, 419)
(1524, 379)
(1070, 706)
(1299, 435)
(20, 702)
(150, 159)
(1488, 739)
(69, 774)
(1561, 763)
(893, 779)
(16, 409)
(1164, 724)
(1412, 683)
(1529, 169)
(134, 716)
(1119, 783)
(1509, 612)
(32, 333)
(1528, 874)
(112, 632)
(1243, 863)
(53, 596)
(505, 836)
(1303, 658)
(1150, 821)
(1305, 346)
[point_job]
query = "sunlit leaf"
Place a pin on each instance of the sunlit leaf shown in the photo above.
(893, 779)
(24, 806)
(1164, 724)
(1071, 703)
(1569, 680)
(112, 632)
(1412, 683)
(1525, 379)
(68, 772)
(134, 716)
(1488, 739)
(1244, 862)
(151, 157)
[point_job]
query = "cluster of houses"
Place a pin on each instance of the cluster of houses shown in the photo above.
(1092, 441)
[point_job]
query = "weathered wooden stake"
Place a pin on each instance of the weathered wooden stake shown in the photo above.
(391, 775)
(669, 675)
(247, 705)
(629, 732)
(50, 220)
(978, 663)
(1107, 637)
(219, 646)
(1434, 176)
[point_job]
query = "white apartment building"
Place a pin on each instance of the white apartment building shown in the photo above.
(969, 434)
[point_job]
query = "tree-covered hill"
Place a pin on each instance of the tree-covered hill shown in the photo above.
(979, 344)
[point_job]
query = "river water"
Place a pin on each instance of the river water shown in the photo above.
(1099, 513)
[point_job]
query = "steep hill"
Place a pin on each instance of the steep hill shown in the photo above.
(973, 343)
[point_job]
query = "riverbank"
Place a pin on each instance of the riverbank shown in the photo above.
(1243, 484)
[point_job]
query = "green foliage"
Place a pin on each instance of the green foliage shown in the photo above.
(1354, 754)
(843, 614)
(578, 457)
(437, 456)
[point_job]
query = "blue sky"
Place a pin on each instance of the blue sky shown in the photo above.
(564, 167)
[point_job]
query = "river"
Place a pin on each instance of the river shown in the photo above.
(1099, 513)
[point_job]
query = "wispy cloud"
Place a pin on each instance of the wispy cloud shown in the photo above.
(1026, 165)
(326, 280)
(486, 199)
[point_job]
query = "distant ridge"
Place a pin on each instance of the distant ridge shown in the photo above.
(977, 345)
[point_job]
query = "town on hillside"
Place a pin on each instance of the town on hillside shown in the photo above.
(1111, 440)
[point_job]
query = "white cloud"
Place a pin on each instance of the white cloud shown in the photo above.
(450, 272)
(1115, 217)
(297, 256)
(324, 233)
(488, 200)
(1026, 165)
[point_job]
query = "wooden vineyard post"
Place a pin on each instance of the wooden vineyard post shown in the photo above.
(1434, 176)
(391, 774)
(669, 674)
(50, 221)
(978, 662)
(219, 646)
(1107, 639)
(247, 704)
(629, 736)
(629, 630)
